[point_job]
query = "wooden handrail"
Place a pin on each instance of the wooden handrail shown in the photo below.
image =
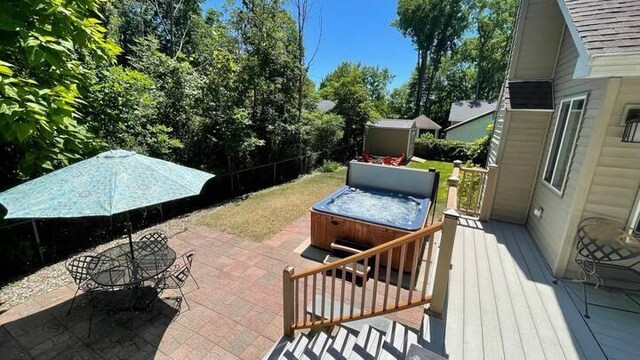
(371, 252)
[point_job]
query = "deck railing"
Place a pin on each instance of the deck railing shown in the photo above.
(331, 294)
(476, 185)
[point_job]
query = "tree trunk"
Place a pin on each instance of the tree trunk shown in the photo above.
(422, 67)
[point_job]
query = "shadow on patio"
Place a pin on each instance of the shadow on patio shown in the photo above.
(50, 333)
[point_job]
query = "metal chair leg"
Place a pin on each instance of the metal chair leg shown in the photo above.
(586, 303)
(185, 299)
(73, 301)
(194, 280)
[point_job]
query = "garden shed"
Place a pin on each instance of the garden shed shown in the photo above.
(391, 137)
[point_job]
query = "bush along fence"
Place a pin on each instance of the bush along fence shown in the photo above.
(428, 147)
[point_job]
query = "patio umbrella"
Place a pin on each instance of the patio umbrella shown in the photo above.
(110, 183)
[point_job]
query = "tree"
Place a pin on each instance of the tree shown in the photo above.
(43, 73)
(347, 87)
(433, 26)
(122, 110)
(325, 131)
(399, 103)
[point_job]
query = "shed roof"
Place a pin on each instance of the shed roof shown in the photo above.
(423, 122)
(607, 27)
(394, 124)
(325, 105)
(468, 109)
(529, 95)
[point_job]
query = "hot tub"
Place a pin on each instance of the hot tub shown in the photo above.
(370, 217)
(385, 208)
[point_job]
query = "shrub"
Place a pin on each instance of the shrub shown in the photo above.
(324, 131)
(329, 166)
(428, 147)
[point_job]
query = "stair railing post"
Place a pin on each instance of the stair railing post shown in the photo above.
(443, 265)
(288, 300)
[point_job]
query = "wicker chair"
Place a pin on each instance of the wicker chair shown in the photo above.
(176, 277)
(79, 268)
(604, 244)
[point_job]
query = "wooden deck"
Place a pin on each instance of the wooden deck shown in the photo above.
(503, 304)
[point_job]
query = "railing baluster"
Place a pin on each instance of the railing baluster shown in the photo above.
(324, 295)
(313, 293)
(386, 279)
(296, 301)
(365, 277)
(427, 271)
(375, 282)
(344, 275)
(416, 249)
(304, 317)
(403, 253)
(354, 279)
(333, 290)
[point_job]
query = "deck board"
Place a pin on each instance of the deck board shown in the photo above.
(503, 304)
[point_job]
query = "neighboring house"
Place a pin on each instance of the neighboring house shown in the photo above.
(472, 128)
(468, 109)
(391, 137)
(559, 140)
(325, 105)
(425, 124)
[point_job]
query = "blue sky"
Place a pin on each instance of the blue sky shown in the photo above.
(356, 31)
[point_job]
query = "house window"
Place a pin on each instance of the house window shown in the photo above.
(565, 136)
(634, 219)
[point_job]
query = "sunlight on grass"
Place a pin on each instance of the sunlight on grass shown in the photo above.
(445, 169)
(266, 212)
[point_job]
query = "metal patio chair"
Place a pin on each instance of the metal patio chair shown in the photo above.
(604, 244)
(178, 276)
(79, 268)
(153, 242)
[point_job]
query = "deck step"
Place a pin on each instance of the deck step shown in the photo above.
(432, 331)
(416, 352)
(347, 247)
(295, 348)
(278, 348)
(360, 269)
(341, 347)
(367, 344)
(397, 341)
(317, 346)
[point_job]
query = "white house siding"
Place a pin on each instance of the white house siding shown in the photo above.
(518, 165)
(498, 126)
(537, 43)
(550, 231)
(471, 130)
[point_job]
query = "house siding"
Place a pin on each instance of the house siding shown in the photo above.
(388, 142)
(498, 126)
(472, 130)
(518, 166)
(550, 231)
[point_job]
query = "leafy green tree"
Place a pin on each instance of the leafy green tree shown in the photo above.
(400, 102)
(48, 49)
(347, 87)
(325, 131)
(122, 110)
(433, 26)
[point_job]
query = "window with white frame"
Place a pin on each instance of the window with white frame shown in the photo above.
(634, 219)
(563, 143)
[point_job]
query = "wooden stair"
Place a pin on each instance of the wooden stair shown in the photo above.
(397, 341)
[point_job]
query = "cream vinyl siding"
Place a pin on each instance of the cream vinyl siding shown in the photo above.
(518, 166)
(550, 230)
(538, 40)
(471, 130)
(498, 126)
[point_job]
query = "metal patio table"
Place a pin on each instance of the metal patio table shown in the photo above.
(123, 277)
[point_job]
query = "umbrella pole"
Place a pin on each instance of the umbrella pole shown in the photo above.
(129, 234)
(35, 233)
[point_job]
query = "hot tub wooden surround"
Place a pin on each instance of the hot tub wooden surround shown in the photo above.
(326, 228)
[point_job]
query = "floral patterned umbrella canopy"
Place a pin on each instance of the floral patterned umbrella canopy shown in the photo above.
(109, 183)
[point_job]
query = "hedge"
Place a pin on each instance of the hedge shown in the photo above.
(430, 148)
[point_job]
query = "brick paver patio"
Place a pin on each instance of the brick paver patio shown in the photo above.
(236, 313)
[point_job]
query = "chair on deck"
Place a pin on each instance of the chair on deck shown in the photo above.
(176, 277)
(153, 241)
(398, 161)
(366, 157)
(605, 244)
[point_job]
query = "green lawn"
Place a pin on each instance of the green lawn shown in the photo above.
(264, 213)
(445, 169)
